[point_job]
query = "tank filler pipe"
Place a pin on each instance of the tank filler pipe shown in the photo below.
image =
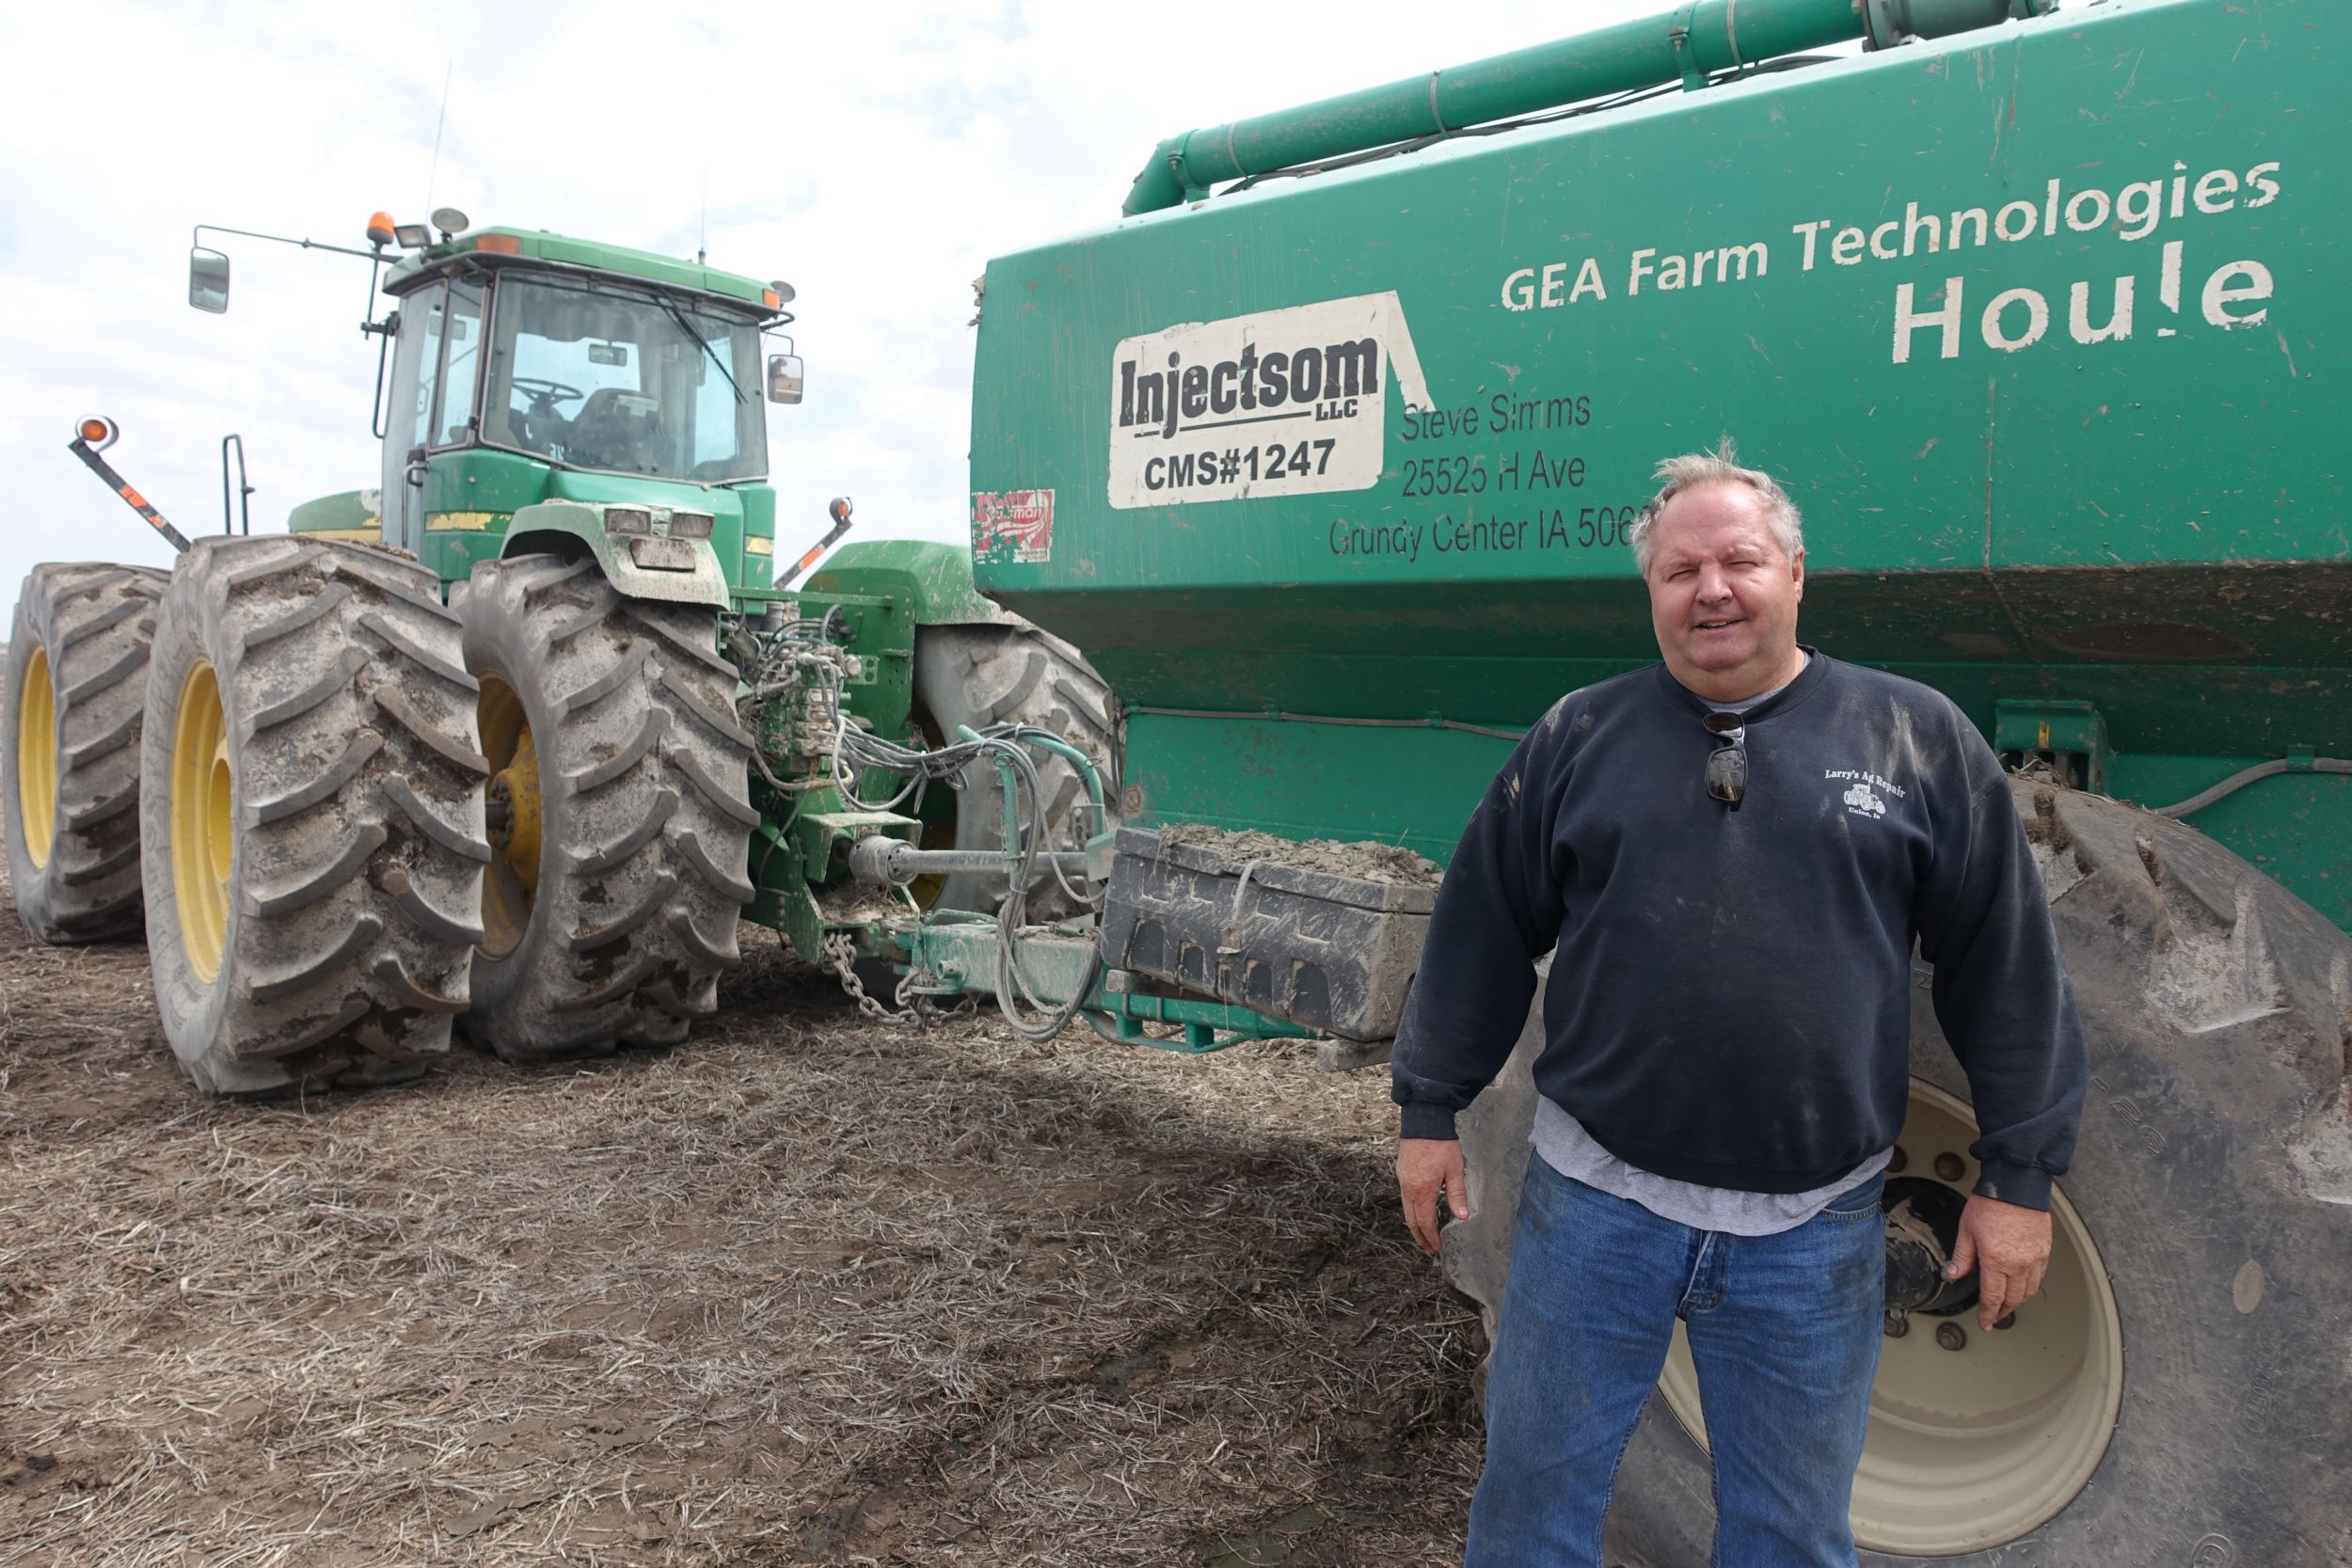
(1695, 38)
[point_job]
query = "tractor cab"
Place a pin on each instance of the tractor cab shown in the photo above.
(568, 360)
(521, 366)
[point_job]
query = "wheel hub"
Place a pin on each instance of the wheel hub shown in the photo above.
(1922, 1232)
(511, 814)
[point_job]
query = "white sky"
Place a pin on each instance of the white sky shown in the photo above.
(875, 155)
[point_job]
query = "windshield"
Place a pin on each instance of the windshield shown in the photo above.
(595, 375)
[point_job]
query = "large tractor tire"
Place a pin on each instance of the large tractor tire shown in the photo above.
(77, 686)
(2181, 1391)
(310, 816)
(1002, 672)
(621, 812)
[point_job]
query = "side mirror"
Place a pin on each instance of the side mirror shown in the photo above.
(783, 377)
(208, 280)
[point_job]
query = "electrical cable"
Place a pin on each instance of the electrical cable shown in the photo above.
(2240, 778)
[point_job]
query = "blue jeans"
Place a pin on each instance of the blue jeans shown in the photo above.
(1785, 1331)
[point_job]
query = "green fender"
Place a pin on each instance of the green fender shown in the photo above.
(347, 515)
(937, 576)
(706, 584)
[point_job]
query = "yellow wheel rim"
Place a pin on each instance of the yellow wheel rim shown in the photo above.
(37, 758)
(203, 822)
(1972, 1446)
(513, 800)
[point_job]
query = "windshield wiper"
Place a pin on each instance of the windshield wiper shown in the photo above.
(684, 326)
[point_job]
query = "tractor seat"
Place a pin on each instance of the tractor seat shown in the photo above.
(617, 429)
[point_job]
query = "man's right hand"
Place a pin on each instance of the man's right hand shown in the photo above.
(1425, 1169)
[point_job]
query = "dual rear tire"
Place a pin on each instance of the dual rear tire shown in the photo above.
(70, 765)
(310, 808)
(276, 756)
(622, 814)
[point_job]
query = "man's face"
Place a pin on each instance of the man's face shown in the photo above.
(1722, 598)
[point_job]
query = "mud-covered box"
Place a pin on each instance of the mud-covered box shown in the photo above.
(1328, 950)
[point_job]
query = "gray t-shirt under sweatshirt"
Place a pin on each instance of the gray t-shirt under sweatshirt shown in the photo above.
(1564, 1144)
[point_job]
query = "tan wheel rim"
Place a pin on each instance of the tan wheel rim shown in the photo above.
(36, 758)
(203, 822)
(514, 799)
(939, 829)
(1975, 1447)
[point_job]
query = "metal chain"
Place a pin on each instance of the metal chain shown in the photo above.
(918, 1008)
(843, 953)
(924, 1005)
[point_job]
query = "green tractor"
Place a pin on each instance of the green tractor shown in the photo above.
(512, 738)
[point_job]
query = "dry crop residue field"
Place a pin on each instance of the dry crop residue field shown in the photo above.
(808, 1291)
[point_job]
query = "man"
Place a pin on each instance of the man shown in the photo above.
(1730, 856)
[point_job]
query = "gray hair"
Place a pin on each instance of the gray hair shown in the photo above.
(1720, 466)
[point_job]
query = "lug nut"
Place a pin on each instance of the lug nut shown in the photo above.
(1950, 1167)
(2008, 1321)
(1951, 1336)
(1897, 1161)
(1897, 1325)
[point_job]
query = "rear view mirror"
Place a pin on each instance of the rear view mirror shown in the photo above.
(783, 377)
(608, 354)
(208, 280)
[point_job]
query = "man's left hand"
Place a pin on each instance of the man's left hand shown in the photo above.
(2009, 1246)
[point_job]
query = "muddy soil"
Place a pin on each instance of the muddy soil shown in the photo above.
(808, 1291)
(1367, 859)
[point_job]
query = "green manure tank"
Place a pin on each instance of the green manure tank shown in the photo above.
(2043, 324)
(1327, 454)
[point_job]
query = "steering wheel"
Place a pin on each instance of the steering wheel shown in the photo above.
(543, 392)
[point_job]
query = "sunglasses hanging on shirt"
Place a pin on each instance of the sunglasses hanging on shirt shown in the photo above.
(1727, 764)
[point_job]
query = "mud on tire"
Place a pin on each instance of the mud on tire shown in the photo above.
(325, 860)
(645, 813)
(69, 736)
(1009, 672)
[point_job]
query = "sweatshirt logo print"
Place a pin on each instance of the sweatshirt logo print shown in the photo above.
(1860, 802)
(1864, 791)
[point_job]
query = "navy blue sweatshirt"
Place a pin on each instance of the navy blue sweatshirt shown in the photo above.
(1730, 991)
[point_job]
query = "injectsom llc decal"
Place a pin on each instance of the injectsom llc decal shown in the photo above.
(1283, 402)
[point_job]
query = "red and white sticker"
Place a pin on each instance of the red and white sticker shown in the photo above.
(1012, 525)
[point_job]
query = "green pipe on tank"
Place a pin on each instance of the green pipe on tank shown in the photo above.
(1696, 38)
(1083, 763)
(1077, 759)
